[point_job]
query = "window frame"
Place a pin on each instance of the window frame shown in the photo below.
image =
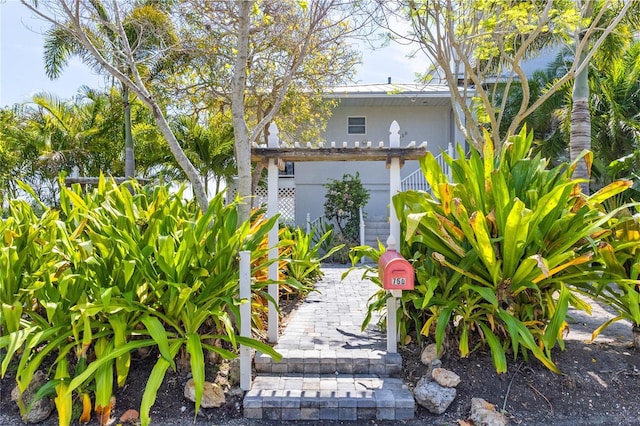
(283, 173)
(351, 126)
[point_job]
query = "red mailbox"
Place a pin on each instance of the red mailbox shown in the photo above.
(396, 273)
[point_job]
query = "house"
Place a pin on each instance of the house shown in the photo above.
(364, 115)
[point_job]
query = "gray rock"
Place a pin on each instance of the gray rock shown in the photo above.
(236, 392)
(445, 377)
(429, 354)
(212, 395)
(436, 363)
(42, 408)
(432, 396)
(484, 413)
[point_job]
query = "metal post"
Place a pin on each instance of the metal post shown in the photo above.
(272, 210)
(245, 319)
(308, 223)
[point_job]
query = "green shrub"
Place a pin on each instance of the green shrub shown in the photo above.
(344, 198)
(132, 268)
(499, 251)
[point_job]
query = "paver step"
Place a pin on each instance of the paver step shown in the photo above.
(328, 397)
(331, 361)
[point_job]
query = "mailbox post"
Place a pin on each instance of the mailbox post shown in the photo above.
(396, 275)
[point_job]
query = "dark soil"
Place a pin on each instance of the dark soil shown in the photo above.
(600, 385)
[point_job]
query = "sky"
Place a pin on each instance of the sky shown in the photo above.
(22, 69)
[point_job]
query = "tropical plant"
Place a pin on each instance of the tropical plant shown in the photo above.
(624, 15)
(26, 256)
(146, 27)
(620, 288)
(17, 150)
(306, 255)
(616, 111)
(131, 268)
(549, 122)
(498, 251)
(209, 147)
(322, 227)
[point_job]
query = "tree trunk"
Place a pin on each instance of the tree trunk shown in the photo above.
(255, 179)
(580, 136)
(129, 158)
(241, 132)
(580, 139)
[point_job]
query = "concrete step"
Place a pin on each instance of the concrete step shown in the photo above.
(377, 226)
(374, 231)
(331, 361)
(328, 397)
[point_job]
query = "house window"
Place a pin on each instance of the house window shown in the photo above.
(357, 126)
(287, 171)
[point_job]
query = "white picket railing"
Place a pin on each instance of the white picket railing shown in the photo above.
(416, 180)
(312, 223)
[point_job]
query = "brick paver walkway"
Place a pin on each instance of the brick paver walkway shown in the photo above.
(331, 369)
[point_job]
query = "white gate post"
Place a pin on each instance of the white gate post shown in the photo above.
(394, 232)
(245, 319)
(362, 235)
(272, 210)
(451, 153)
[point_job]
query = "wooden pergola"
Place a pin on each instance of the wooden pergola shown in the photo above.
(393, 154)
(299, 154)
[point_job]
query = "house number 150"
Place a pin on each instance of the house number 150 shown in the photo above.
(398, 281)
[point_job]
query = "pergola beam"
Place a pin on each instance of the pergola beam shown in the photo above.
(338, 154)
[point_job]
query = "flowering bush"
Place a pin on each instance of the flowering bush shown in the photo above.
(343, 201)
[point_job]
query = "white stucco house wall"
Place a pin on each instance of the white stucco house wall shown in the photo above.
(364, 114)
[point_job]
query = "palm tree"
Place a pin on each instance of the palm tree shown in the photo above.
(77, 135)
(616, 119)
(19, 146)
(626, 22)
(40, 139)
(60, 46)
(548, 122)
(209, 147)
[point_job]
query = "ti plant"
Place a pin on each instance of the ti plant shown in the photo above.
(499, 250)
